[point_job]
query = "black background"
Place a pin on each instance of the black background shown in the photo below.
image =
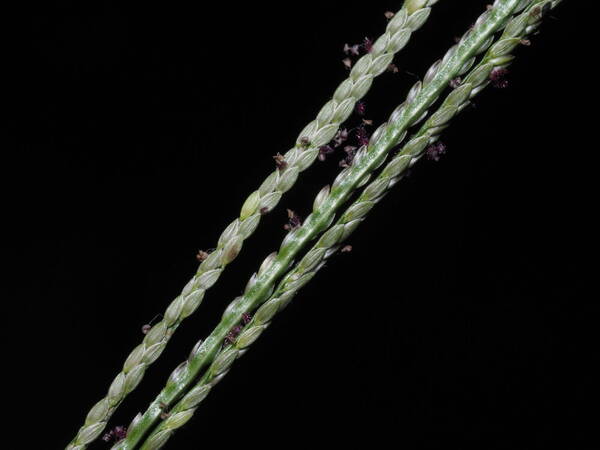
(135, 131)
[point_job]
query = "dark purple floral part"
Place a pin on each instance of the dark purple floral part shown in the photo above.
(435, 151)
(350, 154)
(324, 151)
(367, 45)
(107, 437)
(294, 221)
(456, 82)
(202, 255)
(280, 161)
(229, 339)
(362, 137)
(340, 137)
(246, 318)
(361, 108)
(116, 434)
(120, 432)
(304, 142)
(393, 68)
(352, 49)
(233, 334)
(498, 77)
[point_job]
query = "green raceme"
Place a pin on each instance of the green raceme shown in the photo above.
(318, 132)
(479, 58)
(497, 56)
(457, 61)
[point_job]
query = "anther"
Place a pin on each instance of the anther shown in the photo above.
(117, 433)
(362, 136)
(294, 221)
(280, 161)
(456, 82)
(147, 327)
(304, 142)
(229, 339)
(351, 49)
(202, 255)
(120, 432)
(340, 137)
(435, 151)
(350, 154)
(324, 151)
(498, 77)
(165, 410)
(361, 108)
